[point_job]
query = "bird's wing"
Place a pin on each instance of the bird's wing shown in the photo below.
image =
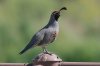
(34, 41)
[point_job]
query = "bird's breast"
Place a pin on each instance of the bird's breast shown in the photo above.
(53, 32)
(50, 34)
(54, 28)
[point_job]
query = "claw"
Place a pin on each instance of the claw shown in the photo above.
(45, 51)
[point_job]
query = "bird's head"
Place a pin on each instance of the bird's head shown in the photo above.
(56, 14)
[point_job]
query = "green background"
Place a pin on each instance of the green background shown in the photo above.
(78, 39)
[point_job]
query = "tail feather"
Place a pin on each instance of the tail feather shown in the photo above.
(31, 44)
(24, 50)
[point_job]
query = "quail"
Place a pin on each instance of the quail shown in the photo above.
(47, 34)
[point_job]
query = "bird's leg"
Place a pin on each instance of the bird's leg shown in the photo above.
(45, 50)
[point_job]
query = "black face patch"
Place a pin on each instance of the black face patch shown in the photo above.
(56, 16)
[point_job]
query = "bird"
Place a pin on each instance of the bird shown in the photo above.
(47, 34)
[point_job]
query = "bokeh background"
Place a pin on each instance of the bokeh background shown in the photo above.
(79, 36)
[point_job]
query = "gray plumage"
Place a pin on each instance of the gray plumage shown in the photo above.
(47, 34)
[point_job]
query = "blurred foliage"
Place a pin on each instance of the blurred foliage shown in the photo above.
(79, 36)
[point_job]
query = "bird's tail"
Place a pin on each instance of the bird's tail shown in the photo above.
(30, 45)
(24, 50)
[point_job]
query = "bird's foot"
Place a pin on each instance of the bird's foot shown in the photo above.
(46, 52)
